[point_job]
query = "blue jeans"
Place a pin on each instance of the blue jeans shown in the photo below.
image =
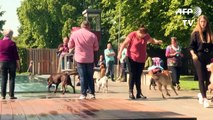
(175, 74)
(110, 69)
(5, 69)
(85, 71)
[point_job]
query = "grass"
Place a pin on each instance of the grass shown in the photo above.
(187, 82)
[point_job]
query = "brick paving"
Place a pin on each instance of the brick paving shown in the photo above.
(112, 105)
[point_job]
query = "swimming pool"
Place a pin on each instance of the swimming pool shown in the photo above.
(24, 84)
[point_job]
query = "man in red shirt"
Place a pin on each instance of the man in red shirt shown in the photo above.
(85, 43)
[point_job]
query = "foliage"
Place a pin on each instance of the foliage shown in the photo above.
(158, 15)
(45, 22)
(23, 59)
(2, 22)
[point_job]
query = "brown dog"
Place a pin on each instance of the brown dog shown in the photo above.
(210, 68)
(102, 70)
(163, 78)
(210, 87)
(58, 78)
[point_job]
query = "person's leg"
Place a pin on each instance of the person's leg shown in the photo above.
(132, 75)
(62, 63)
(107, 69)
(89, 75)
(4, 74)
(200, 73)
(111, 70)
(12, 74)
(122, 70)
(140, 67)
(59, 64)
(178, 69)
(174, 74)
(81, 67)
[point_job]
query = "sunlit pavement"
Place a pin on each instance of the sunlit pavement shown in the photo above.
(185, 103)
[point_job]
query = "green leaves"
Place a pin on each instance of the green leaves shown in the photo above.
(2, 22)
(45, 22)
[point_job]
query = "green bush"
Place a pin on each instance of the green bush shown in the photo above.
(23, 58)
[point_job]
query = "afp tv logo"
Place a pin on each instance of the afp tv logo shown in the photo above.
(196, 11)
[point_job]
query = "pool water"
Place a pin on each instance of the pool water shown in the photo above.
(24, 84)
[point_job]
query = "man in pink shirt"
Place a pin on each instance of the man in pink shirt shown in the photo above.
(136, 57)
(85, 43)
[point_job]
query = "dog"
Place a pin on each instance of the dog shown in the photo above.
(152, 84)
(162, 78)
(210, 86)
(102, 83)
(102, 70)
(210, 68)
(58, 78)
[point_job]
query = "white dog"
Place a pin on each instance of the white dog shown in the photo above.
(102, 83)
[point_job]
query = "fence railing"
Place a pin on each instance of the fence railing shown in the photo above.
(45, 61)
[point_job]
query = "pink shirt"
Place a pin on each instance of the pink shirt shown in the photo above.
(85, 43)
(137, 47)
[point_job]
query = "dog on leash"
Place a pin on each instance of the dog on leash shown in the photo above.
(102, 83)
(152, 84)
(162, 78)
(58, 78)
(210, 68)
(210, 87)
(102, 70)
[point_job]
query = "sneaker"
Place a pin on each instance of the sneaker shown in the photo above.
(3, 98)
(92, 96)
(82, 97)
(205, 103)
(13, 97)
(140, 96)
(200, 98)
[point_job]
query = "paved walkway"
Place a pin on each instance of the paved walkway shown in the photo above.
(185, 103)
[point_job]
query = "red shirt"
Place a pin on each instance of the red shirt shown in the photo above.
(85, 43)
(137, 47)
(8, 50)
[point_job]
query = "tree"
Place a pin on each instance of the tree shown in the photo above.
(2, 22)
(42, 21)
(158, 15)
(45, 22)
